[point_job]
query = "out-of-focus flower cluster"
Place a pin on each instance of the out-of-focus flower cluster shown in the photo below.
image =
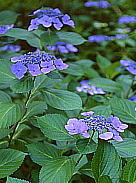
(37, 63)
(90, 89)
(127, 19)
(5, 28)
(133, 98)
(99, 4)
(49, 17)
(62, 47)
(107, 128)
(129, 65)
(11, 47)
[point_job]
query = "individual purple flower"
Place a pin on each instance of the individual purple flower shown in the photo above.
(133, 98)
(100, 4)
(62, 47)
(129, 65)
(98, 38)
(107, 128)
(5, 28)
(36, 63)
(14, 48)
(18, 69)
(127, 19)
(49, 17)
(90, 89)
(76, 126)
(121, 36)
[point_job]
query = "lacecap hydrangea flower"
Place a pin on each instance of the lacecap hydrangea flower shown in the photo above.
(90, 89)
(62, 47)
(107, 128)
(14, 48)
(36, 63)
(100, 4)
(5, 28)
(129, 65)
(127, 19)
(49, 17)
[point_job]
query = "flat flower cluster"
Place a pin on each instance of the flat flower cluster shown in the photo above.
(14, 48)
(62, 47)
(37, 63)
(5, 28)
(129, 65)
(100, 4)
(127, 19)
(49, 17)
(90, 89)
(107, 128)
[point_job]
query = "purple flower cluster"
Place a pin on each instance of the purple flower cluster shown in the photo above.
(107, 128)
(90, 89)
(100, 4)
(100, 38)
(11, 47)
(37, 63)
(49, 17)
(127, 19)
(133, 98)
(129, 65)
(5, 28)
(62, 47)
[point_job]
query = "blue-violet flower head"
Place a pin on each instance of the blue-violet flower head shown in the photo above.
(5, 28)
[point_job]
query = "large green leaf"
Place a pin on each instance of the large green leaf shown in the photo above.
(41, 152)
(71, 37)
(15, 180)
(102, 62)
(10, 161)
(102, 110)
(7, 17)
(23, 85)
(4, 132)
(57, 170)
(4, 97)
(124, 109)
(35, 108)
(74, 69)
(61, 99)
(104, 179)
(106, 161)
(23, 34)
(129, 172)
(6, 75)
(52, 125)
(49, 38)
(10, 113)
(126, 148)
(106, 84)
(86, 146)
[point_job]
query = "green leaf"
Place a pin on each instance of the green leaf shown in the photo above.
(15, 180)
(23, 34)
(124, 109)
(104, 179)
(61, 99)
(86, 146)
(10, 113)
(35, 108)
(129, 172)
(106, 84)
(41, 152)
(52, 125)
(102, 110)
(7, 17)
(74, 69)
(106, 161)
(10, 161)
(49, 38)
(71, 37)
(126, 148)
(111, 71)
(4, 97)
(102, 62)
(57, 170)
(23, 85)
(6, 75)
(4, 132)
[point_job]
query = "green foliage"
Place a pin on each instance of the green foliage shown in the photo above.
(104, 179)
(49, 38)
(10, 161)
(14, 180)
(7, 17)
(4, 97)
(61, 172)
